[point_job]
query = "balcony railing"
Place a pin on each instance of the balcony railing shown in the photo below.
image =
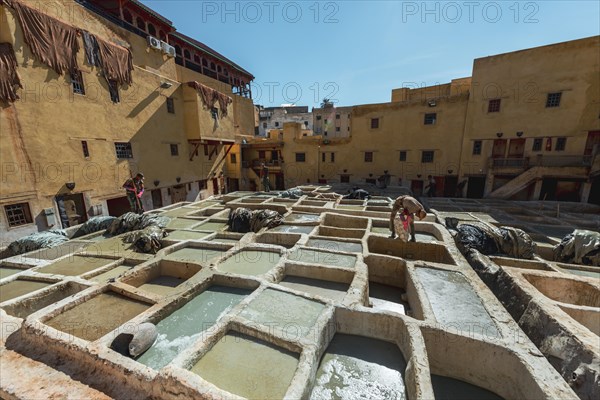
(115, 20)
(563, 161)
(522, 162)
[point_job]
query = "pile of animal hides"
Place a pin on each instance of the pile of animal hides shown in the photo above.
(146, 230)
(243, 220)
(579, 247)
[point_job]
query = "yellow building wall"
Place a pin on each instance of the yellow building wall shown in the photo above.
(42, 132)
(522, 80)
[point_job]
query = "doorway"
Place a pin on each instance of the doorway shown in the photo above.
(215, 185)
(118, 206)
(476, 187)
(450, 184)
(279, 181)
(594, 197)
(233, 184)
(516, 148)
(157, 198)
(72, 209)
(417, 187)
(178, 194)
(499, 149)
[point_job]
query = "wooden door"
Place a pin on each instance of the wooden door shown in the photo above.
(499, 149)
(516, 148)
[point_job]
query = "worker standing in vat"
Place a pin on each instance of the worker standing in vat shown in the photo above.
(264, 175)
(135, 188)
(408, 207)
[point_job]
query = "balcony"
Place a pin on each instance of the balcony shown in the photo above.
(519, 163)
(563, 161)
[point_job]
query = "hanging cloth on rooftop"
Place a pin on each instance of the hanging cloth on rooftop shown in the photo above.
(116, 62)
(211, 96)
(53, 42)
(9, 77)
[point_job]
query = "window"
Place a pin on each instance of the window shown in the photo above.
(123, 150)
(300, 157)
(337, 116)
(494, 105)
(306, 123)
(323, 157)
(325, 133)
(170, 105)
(127, 16)
(18, 214)
(186, 54)
(264, 125)
(233, 158)
(537, 144)
(326, 120)
(174, 150)
(553, 99)
(151, 30)
(261, 154)
(427, 156)
(113, 89)
(561, 144)
(318, 117)
(140, 23)
(337, 128)
(477, 147)
(214, 112)
(403, 155)
(276, 124)
(332, 157)
(374, 123)
(368, 156)
(77, 82)
(430, 118)
(197, 59)
(84, 147)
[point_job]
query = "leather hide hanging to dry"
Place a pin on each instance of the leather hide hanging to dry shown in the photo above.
(211, 96)
(51, 41)
(9, 77)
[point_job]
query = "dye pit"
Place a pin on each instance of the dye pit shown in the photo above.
(325, 306)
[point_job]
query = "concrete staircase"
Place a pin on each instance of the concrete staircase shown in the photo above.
(531, 175)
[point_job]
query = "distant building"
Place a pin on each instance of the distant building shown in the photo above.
(524, 126)
(331, 121)
(275, 117)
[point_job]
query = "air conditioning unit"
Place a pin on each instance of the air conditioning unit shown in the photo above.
(153, 42)
(168, 49)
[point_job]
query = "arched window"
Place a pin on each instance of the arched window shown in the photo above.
(196, 58)
(204, 62)
(177, 50)
(212, 66)
(218, 68)
(127, 16)
(225, 72)
(186, 54)
(139, 22)
(151, 30)
(162, 36)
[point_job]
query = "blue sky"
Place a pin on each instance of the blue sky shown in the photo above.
(356, 52)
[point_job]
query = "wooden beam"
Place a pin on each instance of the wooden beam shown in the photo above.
(213, 152)
(194, 151)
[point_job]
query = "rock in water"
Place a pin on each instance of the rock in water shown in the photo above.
(143, 338)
